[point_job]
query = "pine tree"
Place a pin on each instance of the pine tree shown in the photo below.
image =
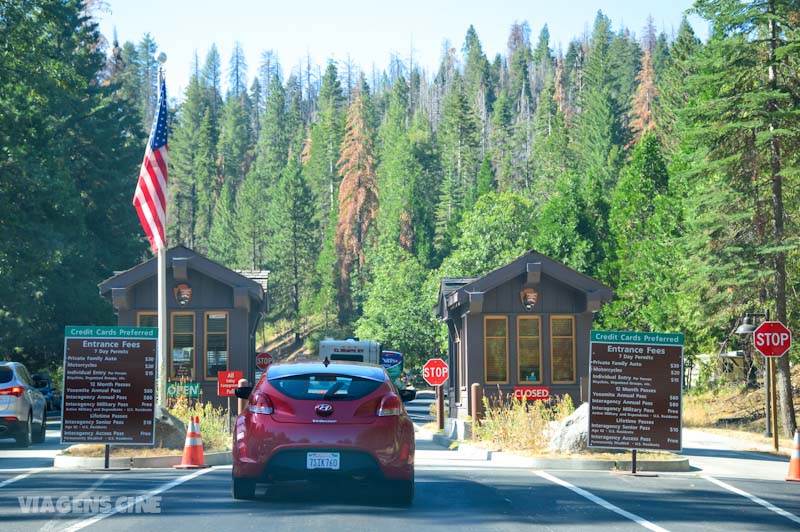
(599, 138)
(296, 244)
(147, 68)
(641, 112)
(222, 239)
(671, 91)
(326, 139)
(212, 81)
(72, 145)
(184, 167)
(358, 202)
(460, 153)
(237, 77)
(543, 64)
(235, 143)
(273, 148)
(746, 118)
(477, 82)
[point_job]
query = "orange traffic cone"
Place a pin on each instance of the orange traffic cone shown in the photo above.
(794, 461)
(193, 449)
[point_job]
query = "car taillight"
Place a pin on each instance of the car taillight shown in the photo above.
(14, 390)
(260, 404)
(390, 406)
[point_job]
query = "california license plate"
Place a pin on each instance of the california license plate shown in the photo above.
(322, 461)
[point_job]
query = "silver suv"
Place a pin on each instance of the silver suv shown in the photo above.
(23, 411)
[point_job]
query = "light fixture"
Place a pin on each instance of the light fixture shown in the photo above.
(746, 327)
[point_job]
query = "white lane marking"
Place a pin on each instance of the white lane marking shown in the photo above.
(757, 500)
(602, 502)
(53, 523)
(18, 477)
(152, 493)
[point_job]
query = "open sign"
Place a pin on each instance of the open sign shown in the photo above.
(532, 393)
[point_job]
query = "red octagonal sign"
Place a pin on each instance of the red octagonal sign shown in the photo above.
(772, 338)
(435, 372)
(263, 360)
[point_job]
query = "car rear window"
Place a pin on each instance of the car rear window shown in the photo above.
(6, 374)
(328, 387)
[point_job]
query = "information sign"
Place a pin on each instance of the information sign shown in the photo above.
(635, 381)
(109, 385)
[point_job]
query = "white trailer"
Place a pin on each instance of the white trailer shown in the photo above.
(351, 350)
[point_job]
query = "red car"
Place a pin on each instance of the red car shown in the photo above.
(323, 421)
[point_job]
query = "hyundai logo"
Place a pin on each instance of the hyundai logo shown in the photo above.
(324, 409)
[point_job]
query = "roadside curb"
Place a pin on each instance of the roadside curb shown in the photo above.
(504, 459)
(62, 461)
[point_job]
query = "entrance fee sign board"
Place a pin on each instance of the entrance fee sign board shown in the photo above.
(635, 382)
(109, 385)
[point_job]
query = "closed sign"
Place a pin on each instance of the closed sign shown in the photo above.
(532, 393)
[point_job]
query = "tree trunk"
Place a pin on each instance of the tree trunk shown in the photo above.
(783, 381)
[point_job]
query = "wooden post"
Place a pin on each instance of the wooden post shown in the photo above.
(476, 400)
(241, 403)
(440, 407)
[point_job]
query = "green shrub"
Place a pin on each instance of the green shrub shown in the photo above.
(213, 422)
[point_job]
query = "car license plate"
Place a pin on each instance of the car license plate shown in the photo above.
(322, 461)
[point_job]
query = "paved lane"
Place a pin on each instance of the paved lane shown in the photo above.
(461, 496)
(38, 454)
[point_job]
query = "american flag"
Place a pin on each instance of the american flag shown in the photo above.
(150, 199)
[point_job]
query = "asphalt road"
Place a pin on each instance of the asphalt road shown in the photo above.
(452, 493)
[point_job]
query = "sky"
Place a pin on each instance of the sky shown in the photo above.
(368, 31)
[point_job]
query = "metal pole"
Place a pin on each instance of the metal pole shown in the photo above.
(633, 461)
(162, 327)
(439, 408)
(767, 396)
(162, 303)
(774, 406)
(768, 387)
(108, 453)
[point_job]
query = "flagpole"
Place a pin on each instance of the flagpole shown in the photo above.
(162, 289)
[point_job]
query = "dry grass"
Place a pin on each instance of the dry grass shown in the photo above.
(513, 425)
(92, 450)
(733, 407)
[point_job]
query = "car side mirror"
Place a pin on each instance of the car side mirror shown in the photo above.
(243, 392)
(408, 395)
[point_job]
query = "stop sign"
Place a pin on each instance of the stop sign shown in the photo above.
(435, 372)
(772, 338)
(263, 360)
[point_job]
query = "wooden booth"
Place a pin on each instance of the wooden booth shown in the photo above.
(213, 314)
(522, 328)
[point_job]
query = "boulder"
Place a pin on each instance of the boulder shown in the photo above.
(170, 431)
(572, 434)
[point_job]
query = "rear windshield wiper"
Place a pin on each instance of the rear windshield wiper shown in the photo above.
(331, 393)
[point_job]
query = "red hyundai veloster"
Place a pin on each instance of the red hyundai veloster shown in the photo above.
(324, 421)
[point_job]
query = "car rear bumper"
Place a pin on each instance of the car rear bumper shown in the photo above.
(277, 451)
(10, 428)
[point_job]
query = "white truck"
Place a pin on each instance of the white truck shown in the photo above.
(370, 351)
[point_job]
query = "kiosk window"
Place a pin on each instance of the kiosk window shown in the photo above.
(529, 348)
(562, 349)
(147, 319)
(216, 343)
(182, 345)
(495, 341)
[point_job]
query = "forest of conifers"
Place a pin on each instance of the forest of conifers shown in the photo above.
(663, 166)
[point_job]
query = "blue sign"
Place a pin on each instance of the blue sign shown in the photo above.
(391, 358)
